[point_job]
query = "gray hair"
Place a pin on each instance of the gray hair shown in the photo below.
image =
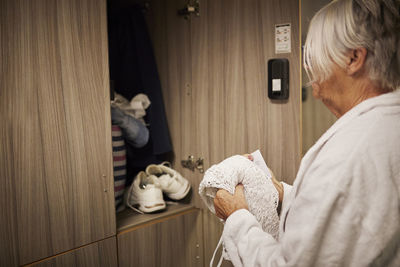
(344, 25)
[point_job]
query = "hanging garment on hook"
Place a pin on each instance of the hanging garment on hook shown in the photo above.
(136, 107)
(135, 132)
(134, 71)
(119, 166)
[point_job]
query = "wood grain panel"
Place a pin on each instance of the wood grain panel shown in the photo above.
(171, 243)
(170, 35)
(282, 150)
(84, 55)
(100, 254)
(129, 218)
(228, 111)
(212, 232)
(232, 42)
(56, 140)
(209, 84)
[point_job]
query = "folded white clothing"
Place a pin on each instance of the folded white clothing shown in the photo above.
(261, 195)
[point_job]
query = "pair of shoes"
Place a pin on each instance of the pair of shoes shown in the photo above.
(146, 191)
(172, 183)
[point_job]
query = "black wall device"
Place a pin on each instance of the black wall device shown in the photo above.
(278, 78)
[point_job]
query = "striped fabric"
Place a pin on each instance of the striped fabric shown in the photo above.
(119, 162)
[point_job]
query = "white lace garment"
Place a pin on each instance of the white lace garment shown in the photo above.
(261, 195)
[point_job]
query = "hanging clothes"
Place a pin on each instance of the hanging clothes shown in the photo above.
(133, 70)
(135, 108)
(134, 131)
(119, 166)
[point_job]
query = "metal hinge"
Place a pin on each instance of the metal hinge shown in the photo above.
(193, 164)
(193, 7)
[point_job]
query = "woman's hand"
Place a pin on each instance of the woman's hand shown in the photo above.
(225, 204)
(249, 156)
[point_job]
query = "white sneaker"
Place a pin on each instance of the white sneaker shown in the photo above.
(172, 183)
(144, 193)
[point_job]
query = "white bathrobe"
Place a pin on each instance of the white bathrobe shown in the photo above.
(344, 207)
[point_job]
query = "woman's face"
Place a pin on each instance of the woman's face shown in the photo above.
(330, 91)
(347, 86)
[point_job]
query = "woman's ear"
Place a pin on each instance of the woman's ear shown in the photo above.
(356, 60)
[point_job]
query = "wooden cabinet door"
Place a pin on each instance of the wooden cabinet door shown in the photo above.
(213, 70)
(56, 185)
(172, 242)
(171, 39)
(231, 43)
(100, 254)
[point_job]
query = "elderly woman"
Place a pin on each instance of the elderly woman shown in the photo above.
(344, 206)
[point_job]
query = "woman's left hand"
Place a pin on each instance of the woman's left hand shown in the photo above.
(225, 204)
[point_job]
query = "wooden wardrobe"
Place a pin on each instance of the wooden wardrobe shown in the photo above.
(56, 179)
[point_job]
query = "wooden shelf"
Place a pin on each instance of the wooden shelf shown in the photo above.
(128, 218)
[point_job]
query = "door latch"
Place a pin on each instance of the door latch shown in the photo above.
(193, 164)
